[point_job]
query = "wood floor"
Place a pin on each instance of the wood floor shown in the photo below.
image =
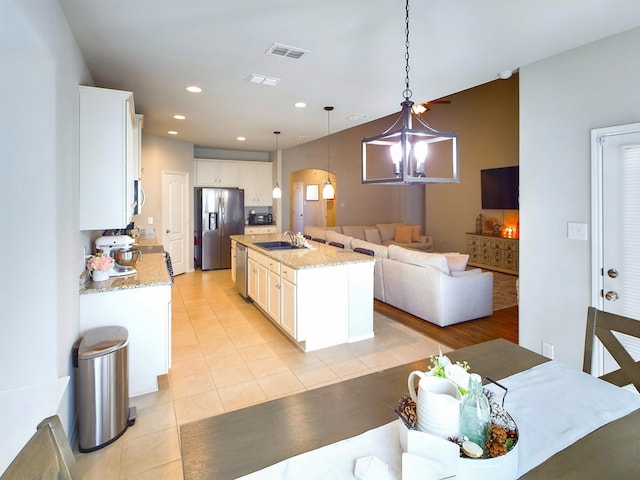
(502, 324)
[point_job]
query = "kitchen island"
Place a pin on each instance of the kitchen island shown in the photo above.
(319, 296)
(142, 304)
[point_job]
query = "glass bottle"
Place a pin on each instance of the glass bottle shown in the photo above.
(479, 220)
(475, 414)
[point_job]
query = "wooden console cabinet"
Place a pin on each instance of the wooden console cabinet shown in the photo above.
(493, 252)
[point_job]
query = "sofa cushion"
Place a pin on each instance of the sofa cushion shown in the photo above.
(332, 236)
(387, 231)
(415, 233)
(379, 250)
(457, 261)
(422, 259)
(355, 231)
(403, 234)
(372, 235)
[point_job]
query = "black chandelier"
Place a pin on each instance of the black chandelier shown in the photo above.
(403, 154)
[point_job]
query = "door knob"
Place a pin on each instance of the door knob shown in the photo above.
(611, 296)
(168, 231)
(612, 272)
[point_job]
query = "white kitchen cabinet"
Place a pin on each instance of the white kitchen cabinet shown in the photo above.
(107, 151)
(256, 181)
(288, 304)
(217, 173)
(273, 289)
(138, 121)
(146, 314)
(260, 229)
(257, 289)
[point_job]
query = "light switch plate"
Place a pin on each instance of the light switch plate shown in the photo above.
(576, 231)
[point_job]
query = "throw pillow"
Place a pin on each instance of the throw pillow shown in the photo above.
(387, 230)
(372, 235)
(415, 233)
(403, 234)
(457, 261)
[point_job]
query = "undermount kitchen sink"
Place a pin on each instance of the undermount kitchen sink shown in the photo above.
(276, 245)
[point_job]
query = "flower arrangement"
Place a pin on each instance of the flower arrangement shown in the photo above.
(457, 372)
(100, 263)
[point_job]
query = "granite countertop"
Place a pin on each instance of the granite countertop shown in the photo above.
(320, 255)
(151, 271)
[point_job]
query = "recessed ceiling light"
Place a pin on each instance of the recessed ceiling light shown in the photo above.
(172, 132)
(194, 89)
(302, 137)
(300, 104)
(241, 139)
(179, 117)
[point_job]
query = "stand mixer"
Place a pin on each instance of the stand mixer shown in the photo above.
(108, 245)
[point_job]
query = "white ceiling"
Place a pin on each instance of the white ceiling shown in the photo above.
(156, 48)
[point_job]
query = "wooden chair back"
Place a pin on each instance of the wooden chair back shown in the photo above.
(601, 325)
(46, 456)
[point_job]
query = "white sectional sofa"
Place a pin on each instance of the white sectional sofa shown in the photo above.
(435, 287)
(401, 234)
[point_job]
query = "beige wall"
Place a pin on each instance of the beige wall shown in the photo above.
(486, 120)
(163, 155)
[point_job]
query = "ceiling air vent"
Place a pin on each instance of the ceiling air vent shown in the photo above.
(281, 50)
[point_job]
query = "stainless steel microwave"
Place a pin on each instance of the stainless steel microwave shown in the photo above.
(260, 219)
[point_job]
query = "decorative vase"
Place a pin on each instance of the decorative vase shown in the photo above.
(99, 276)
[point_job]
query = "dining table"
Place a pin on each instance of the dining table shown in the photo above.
(240, 442)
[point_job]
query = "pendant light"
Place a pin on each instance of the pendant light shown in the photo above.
(277, 192)
(328, 192)
(399, 154)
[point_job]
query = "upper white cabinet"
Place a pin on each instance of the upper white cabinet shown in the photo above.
(253, 177)
(137, 146)
(217, 173)
(107, 158)
(256, 181)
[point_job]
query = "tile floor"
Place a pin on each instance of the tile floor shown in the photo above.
(226, 356)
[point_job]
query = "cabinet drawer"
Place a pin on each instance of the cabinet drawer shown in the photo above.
(273, 265)
(288, 273)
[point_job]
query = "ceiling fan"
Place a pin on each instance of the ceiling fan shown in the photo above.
(420, 108)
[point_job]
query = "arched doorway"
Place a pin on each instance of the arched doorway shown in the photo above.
(315, 210)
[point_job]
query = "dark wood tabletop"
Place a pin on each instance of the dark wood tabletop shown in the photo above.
(243, 441)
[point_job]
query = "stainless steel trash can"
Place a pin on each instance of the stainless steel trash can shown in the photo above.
(102, 382)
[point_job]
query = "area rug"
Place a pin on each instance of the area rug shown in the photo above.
(504, 291)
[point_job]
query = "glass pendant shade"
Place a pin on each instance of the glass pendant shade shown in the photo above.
(277, 192)
(328, 192)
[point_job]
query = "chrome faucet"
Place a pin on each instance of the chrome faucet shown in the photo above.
(295, 239)
(292, 236)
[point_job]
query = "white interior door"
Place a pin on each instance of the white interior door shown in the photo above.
(298, 207)
(616, 229)
(175, 218)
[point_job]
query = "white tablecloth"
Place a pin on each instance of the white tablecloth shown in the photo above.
(552, 404)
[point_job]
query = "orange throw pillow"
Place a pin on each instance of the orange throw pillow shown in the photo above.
(415, 233)
(403, 234)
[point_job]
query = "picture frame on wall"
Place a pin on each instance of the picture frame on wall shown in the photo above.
(312, 192)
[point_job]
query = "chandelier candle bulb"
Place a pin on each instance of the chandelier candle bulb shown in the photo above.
(475, 413)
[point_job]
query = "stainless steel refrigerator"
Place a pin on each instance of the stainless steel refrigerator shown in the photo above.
(218, 213)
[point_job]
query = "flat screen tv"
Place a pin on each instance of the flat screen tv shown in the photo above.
(500, 188)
